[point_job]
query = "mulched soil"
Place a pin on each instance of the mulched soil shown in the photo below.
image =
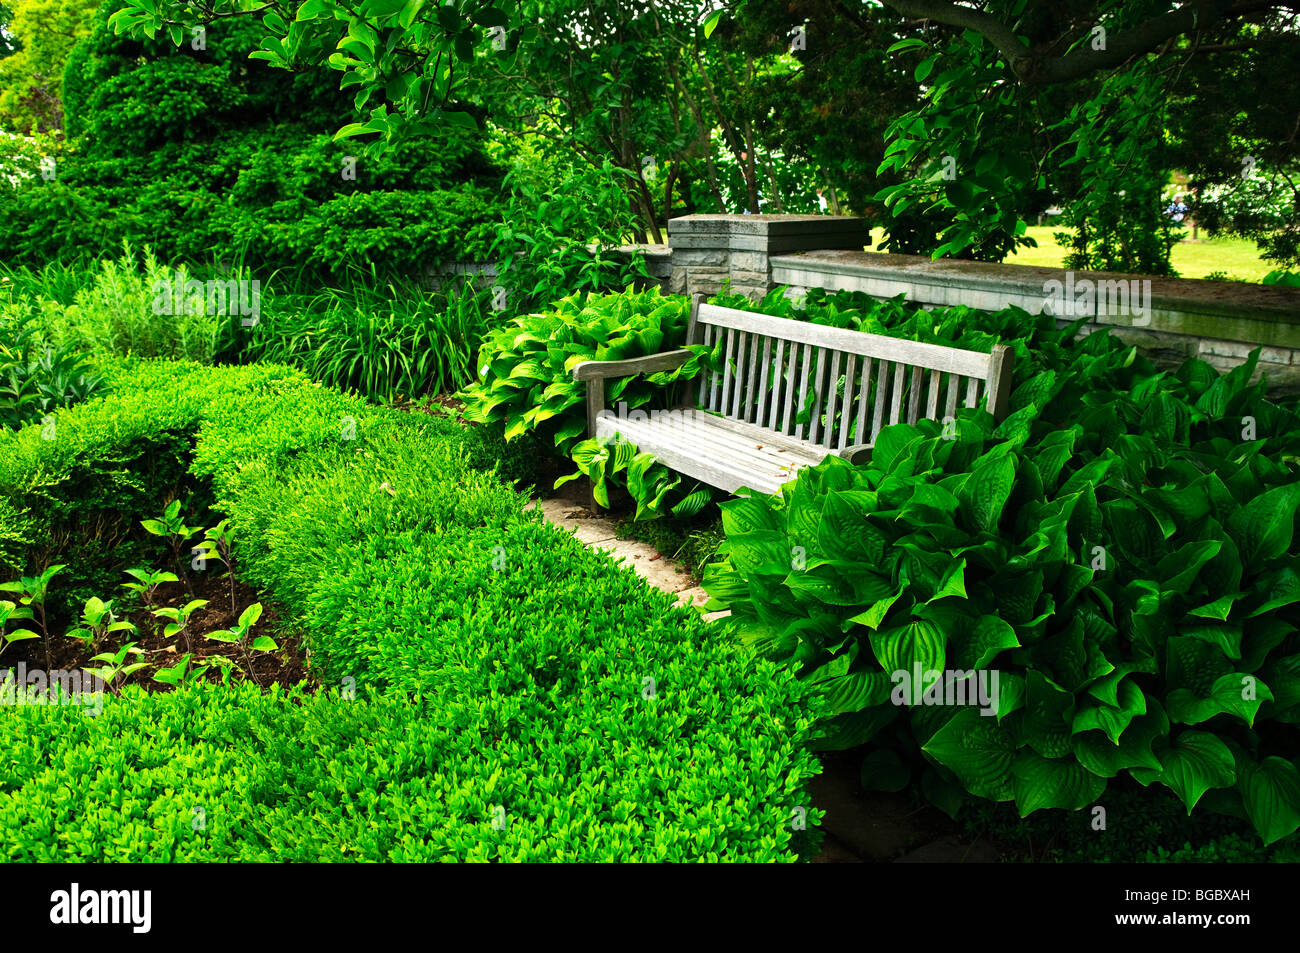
(287, 666)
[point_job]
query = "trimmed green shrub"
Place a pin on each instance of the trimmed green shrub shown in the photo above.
(517, 696)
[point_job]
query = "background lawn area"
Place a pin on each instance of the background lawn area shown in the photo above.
(1238, 257)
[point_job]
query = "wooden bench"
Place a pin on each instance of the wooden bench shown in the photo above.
(742, 429)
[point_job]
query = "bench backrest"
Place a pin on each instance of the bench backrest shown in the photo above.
(856, 383)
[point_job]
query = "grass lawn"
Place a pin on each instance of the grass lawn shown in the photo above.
(1238, 257)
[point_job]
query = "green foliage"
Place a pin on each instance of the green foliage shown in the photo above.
(957, 197)
(456, 622)
(214, 161)
(97, 622)
(525, 378)
(555, 233)
(1118, 218)
(78, 499)
(120, 310)
(1142, 826)
(388, 341)
(517, 462)
(36, 378)
(656, 489)
(1121, 549)
(31, 79)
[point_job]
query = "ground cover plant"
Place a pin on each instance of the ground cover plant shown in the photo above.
(1121, 549)
(490, 689)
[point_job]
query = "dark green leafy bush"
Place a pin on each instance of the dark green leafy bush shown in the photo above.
(214, 160)
(1121, 550)
(556, 233)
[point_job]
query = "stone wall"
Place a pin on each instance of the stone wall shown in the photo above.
(1169, 319)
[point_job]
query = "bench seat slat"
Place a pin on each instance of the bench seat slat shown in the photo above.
(701, 451)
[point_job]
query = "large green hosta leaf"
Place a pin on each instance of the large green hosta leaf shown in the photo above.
(1270, 790)
(747, 515)
(1053, 783)
(1233, 694)
(902, 648)
(845, 531)
(980, 750)
(1263, 528)
(1106, 759)
(985, 495)
(1112, 720)
(1049, 708)
(1194, 763)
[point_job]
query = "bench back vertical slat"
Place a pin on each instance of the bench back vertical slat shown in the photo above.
(850, 388)
(707, 380)
(764, 376)
(972, 392)
(882, 397)
(954, 384)
(831, 399)
(749, 407)
(738, 392)
(792, 359)
(896, 399)
(778, 372)
(805, 367)
(864, 392)
(727, 372)
(916, 379)
(932, 399)
(819, 396)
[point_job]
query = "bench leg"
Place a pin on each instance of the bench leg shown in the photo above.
(591, 498)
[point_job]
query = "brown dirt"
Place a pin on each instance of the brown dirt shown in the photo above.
(287, 666)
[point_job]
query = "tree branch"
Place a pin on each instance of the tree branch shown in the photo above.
(1035, 67)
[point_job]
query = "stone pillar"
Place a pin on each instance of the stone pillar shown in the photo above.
(709, 250)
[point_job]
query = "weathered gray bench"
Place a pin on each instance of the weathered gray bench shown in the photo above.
(743, 428)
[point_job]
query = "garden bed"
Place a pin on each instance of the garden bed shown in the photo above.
(286, 667)
(489, 689)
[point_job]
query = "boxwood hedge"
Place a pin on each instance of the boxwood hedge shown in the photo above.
(491, 688)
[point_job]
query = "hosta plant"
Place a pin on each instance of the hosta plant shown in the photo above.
(1121, 552)
(525, 379)
(656, 489)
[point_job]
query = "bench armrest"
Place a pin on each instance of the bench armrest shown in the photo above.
(650, 364)
(595, 372)
(858, 453)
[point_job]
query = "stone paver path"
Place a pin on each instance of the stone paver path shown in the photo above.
(602, 533)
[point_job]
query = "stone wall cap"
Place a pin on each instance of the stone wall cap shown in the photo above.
(1277, 303)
